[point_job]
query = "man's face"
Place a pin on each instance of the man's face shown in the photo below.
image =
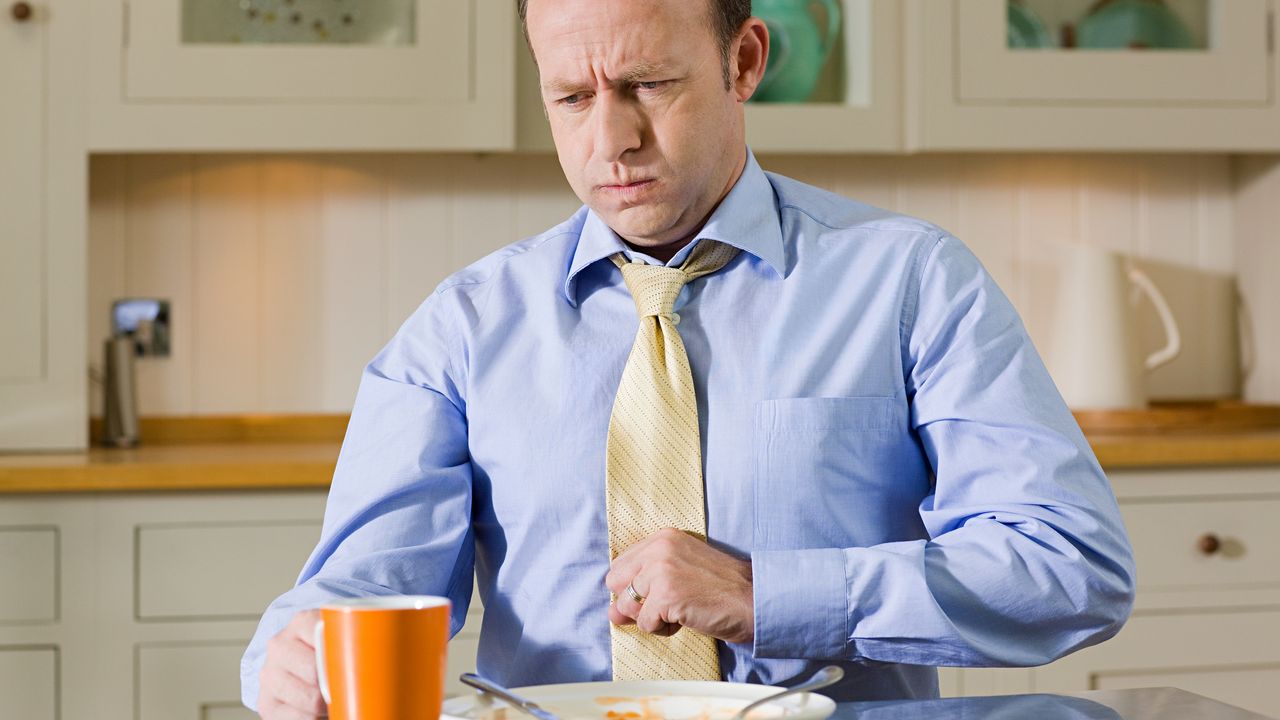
(647, 134)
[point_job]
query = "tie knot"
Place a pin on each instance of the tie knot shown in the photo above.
(654, 288)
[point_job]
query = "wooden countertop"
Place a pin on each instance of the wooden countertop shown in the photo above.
(255, 453)
(204, 466)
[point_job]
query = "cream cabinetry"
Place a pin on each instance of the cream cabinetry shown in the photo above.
(393, 75)
(1207, 616)
(973, 91)
(917, 75)
(43, 197)
(29, 682)
(116, 607)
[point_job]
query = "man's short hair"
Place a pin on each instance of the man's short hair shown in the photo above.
(727, 17)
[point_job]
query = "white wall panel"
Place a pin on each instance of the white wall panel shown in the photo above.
(160, 262)
(353, 253)
(106, 247)
(987, 215)
(226, 298)
(419, 218)
(1108, 202)
(326, 255)
(1049, 194)
(291, 287)
(926, 188)
(484, 207)
(1167, 224)
(1257, 219)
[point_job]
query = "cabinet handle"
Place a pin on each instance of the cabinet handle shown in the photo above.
(1209, 543)
(20, 11)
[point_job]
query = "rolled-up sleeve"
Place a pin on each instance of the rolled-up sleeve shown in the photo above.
(1026, 557)
(398, 515)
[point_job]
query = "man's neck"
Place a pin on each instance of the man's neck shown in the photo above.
(664, 253)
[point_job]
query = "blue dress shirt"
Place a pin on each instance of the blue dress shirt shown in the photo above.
(879, 437)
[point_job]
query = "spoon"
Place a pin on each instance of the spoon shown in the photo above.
(519, 703)
(828, 675)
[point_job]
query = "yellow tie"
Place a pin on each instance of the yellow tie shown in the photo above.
(653, 471)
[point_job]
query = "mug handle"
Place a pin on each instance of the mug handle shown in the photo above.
(1173, 339)
(317, 641)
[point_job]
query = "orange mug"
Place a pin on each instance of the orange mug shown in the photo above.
(383, 658)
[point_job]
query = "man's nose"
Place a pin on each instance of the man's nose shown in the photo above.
(619, 126)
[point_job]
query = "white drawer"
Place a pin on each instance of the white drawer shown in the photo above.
(29, 683)
(28, 575)
(212, 571)
(1245, 686)
(192, 680)
(1167, 537)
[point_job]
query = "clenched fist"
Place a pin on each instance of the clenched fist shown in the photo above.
(685, 583)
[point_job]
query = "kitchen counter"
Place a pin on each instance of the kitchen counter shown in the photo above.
(248, 453)
(1143, 704)
(204, 466)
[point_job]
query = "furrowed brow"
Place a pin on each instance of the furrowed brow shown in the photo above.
(630, 75)
(637, 72)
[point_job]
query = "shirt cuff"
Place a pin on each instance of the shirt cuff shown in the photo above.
(801, 604)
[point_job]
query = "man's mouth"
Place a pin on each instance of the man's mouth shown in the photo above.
(629, 190)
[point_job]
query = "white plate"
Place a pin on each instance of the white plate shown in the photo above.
(646, 700)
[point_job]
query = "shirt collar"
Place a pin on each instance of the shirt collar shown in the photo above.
(747, 218)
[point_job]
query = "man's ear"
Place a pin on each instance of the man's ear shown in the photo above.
(747, 58)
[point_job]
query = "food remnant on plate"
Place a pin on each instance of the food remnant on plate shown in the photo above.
(679, 708)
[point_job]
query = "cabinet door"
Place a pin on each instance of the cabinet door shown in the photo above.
(1232, 656)
(1001, 59)
(29, 683)
(1181, 75)
(42, 204)
(22, 178)
(190, 680)
(856, 106)
(304, 75)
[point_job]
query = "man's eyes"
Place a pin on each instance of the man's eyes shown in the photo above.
(647, 86)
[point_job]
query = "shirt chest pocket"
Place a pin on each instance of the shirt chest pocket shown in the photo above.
(835, 472)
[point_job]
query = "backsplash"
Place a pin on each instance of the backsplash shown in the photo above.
(288, 272)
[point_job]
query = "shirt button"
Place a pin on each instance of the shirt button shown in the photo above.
(675, 318)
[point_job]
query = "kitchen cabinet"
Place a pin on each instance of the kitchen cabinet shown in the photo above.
(129, 606)
(43, 202)
(977, 88)
(1207, 614)
(917, 75)
(268, 75)
(28, 683)
(140, 605)
(856, 106)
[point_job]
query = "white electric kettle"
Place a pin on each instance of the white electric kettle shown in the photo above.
(1095, 359)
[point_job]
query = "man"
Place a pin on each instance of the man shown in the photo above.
(880, 473)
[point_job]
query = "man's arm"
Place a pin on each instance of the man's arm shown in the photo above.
(399, 509)
(1028, 559)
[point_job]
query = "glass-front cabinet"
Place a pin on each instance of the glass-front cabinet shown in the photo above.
(303, 74)
(1113, 50)
(833, 81)
(1096, 74)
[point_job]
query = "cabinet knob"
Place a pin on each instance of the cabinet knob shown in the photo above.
(1209, 543)
(20, 11)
